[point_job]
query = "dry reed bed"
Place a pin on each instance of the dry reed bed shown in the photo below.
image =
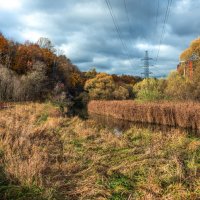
(186, 115)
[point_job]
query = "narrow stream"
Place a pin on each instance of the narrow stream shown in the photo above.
(118, 126)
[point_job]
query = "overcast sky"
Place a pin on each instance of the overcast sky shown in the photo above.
(84, 30)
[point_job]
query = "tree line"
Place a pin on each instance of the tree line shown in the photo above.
(31, 71)
(38, 71)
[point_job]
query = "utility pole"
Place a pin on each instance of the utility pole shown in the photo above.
(146, 65)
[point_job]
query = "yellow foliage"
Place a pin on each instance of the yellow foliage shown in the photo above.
(100, 87)
(75, 79)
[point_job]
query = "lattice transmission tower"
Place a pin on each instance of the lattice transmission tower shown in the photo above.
(146, 65)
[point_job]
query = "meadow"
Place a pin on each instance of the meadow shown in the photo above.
(44, 155)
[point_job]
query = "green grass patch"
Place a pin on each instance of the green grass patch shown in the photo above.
(13, 192)
(121, 186)
(10, 191)
(42, 118)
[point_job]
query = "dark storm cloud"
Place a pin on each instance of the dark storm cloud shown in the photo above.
(84, 30)
(185, 21)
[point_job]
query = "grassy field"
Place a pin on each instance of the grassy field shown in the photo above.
(182, 114)
(46, 156)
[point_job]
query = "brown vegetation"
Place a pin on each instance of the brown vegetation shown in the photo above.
(32, 150)
(30, 71)
(183, 114)
(75, 159)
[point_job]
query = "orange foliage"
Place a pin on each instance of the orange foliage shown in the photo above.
(4, 49)
(22, 56)
(27, 54)
(127, 79)
(3, 44)
(76, 79)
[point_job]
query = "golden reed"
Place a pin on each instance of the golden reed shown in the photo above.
(182, 114)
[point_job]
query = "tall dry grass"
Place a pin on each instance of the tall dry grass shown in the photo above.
(75, 159)
(186, 115)
(33, 151)
(42, 148)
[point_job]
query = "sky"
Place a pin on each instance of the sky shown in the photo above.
(85, 32)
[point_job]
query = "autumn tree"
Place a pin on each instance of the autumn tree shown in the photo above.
(45, 43)
(182, 85)
(194, 49)
(120, 93)
(91, 73)
(4, 50)
(35, 82)
(100, 87)
(193, 87)
(77, 81)
(126, 79)
(150, 89)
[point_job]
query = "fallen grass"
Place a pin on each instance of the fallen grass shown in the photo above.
(63, 158)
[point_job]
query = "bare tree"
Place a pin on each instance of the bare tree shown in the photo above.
(6, 84)
(45, 43)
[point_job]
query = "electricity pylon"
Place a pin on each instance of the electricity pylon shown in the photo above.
(146, 65)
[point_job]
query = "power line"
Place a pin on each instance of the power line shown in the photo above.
(118, 30)
(164, 26)
(157, 12)
(157, 6)
(128, 18)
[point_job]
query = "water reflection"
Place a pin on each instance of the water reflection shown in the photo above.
(118, 126)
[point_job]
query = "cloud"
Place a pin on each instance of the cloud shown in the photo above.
(10, 5)
(84, 30)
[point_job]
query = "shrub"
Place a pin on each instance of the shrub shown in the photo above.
(121, 93)
(100, 87)
(178, 87)
(103, 86)
(194, 86)
(150, 89)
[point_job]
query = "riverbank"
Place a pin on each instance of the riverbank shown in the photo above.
(185, 115)
(46, 156)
